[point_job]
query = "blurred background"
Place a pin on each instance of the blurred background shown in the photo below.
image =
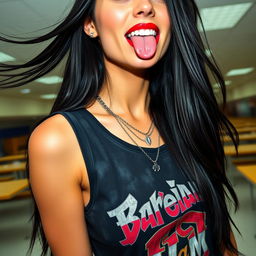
(230, 27)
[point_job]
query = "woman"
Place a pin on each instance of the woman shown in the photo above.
(130, 160)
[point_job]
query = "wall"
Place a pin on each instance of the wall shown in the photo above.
(243, 91)
(12, 106)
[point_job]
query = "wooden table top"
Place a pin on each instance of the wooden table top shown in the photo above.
(244, 149)
(12, 158)
(249, 171)
(8, 189)
(241, 125)
(13, 167)
(244, 123)
(246, 129)
(242, 137)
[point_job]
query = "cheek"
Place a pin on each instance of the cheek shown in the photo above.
(167, 31)
(110, 27)
(109, 21)
(167, 20)
(168, 25)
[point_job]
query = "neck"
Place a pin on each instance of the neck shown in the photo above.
(125, 92)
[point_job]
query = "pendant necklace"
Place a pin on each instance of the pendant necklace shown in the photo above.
(122, 123)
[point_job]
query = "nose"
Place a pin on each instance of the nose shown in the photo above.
(144, 8)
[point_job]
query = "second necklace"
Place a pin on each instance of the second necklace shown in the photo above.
(156, 166)
(147, 134)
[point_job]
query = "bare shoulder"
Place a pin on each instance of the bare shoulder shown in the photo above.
(54, 142)
(52, 134)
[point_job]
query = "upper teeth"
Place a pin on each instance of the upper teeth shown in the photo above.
(143, 32)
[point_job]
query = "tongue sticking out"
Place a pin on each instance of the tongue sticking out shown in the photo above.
(144, 46)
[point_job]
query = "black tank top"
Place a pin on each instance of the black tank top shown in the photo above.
(132, 209)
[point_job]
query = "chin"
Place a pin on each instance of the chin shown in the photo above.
(135, 64)
(146, 63)
(140, 67)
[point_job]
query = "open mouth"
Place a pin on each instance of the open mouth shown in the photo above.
(142, 30)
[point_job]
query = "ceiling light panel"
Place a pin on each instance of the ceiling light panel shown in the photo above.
(241, 71)
(208, 52)
(223, 17)
(5, 57)
(48, 96)
(217, 86)
(25, 91)
(50, 80)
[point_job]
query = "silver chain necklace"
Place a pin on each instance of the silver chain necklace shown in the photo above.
(156, 166)
(147, 134)
(147, 138)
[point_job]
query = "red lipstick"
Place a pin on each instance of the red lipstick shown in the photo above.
(143, 26)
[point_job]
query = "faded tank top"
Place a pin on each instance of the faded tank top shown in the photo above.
(132, 209)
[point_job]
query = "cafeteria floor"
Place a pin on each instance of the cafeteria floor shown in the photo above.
(15, 226)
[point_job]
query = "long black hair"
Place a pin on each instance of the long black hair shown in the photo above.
(182, 105)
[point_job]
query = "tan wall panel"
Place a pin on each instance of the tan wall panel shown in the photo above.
(11, 106)
(242, 91)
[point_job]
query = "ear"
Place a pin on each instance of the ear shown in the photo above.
(90, 28)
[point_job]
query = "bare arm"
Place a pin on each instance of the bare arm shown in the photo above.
(55, 176)
(233, 240)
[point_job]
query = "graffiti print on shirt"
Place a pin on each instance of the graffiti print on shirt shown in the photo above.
(189, 225)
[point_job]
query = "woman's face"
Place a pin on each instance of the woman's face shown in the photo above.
(133, 33)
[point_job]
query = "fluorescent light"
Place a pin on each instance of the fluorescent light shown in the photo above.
(5, 57)
(48, 96)
(223, 17)
(25, 91)
(217, 86)
(241, 71)
(50, 80)
(208, 52)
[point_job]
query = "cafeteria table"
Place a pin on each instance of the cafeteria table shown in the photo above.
(9, 189)
(243, 150)
(10, 158)
(242, 137)
(246, 129)
(249, 172)
(13, 167)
